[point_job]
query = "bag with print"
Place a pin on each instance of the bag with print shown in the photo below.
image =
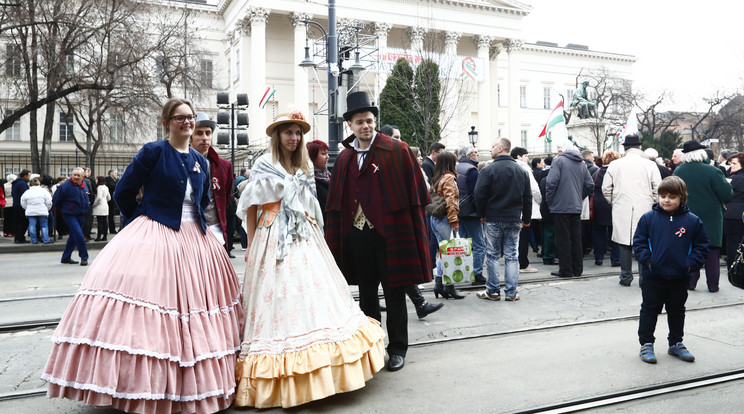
(457, 260)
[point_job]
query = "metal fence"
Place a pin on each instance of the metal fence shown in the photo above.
(62, 165)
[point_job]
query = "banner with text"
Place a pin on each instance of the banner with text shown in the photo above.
(450, 66)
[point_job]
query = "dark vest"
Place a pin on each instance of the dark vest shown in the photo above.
(467, 201)
(363, 188)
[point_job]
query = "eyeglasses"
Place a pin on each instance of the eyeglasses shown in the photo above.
(183, 118)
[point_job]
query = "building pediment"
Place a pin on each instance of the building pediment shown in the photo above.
(502, 6)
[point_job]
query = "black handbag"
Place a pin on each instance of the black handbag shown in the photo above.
(736, 271)
(438, 206)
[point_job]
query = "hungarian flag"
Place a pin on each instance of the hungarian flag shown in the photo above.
(266, 96)
(556, 117)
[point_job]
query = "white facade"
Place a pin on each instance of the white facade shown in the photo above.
(255, 44)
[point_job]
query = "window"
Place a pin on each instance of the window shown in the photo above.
(229, 68)
(116, 124)
(65, 171)
(14, 132)
(70, 64)
(498, 95)
(592, 95)
(205, 75)
(498, 135)
(523, 136)
(615, 106)
(547, 144)
(569, 96)
(13, 60)
(546, 98)
(523, 96)
(66, 122)
(237, 64)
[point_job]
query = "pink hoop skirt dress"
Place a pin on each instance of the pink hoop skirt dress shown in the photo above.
(151, 333)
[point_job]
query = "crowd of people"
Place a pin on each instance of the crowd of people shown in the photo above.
(162, 324)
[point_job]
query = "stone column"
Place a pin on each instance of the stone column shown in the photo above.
(483, 45)
(381, 31)
(301, 100)
(513, 48)
(417, 38)
(493, 69)
(258, 17)
(453, 132)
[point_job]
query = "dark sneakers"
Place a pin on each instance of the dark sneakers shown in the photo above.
(68, 261)
(680, 351)
(647, 353)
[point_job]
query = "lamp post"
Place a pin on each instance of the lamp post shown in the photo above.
(225, 119)
(331, 42)
(473, 136)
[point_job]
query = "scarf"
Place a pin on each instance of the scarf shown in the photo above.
(322, 175)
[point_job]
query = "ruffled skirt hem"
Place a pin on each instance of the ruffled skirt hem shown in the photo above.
(295, 378)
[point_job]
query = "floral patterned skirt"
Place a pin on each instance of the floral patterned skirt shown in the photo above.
(305, 337)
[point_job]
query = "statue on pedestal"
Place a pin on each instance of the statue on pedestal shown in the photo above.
(586, 108)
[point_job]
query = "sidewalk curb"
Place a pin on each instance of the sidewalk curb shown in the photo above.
(57, 246)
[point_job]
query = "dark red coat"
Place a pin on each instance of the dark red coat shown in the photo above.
(393, 195)
(221, 182)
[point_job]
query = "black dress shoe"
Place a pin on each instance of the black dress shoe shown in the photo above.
(230, 255)
(598, 262)
(84, 262)
(427, 308)
(396, 362)
(559, 274)
(24, 241)
(68, 261)
(479, 280)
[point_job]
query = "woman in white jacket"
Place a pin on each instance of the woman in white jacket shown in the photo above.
(101, 208)
(37, 202)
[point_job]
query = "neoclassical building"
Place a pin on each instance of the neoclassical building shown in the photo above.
(501, 84)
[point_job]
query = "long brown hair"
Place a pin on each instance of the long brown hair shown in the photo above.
(299, 159)
(446, 162)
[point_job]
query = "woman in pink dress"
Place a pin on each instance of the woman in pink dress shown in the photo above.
(155, 325)
(305, 338)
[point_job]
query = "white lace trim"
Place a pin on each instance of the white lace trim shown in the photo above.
(305, 341)
(144, 352)
(158, 308)
(137, 396)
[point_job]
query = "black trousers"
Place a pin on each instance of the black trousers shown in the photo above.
(102, 226)
(524, 246)
(112, 212)
(367, 250)
(21, 222)
(661, 292)
(568, 247)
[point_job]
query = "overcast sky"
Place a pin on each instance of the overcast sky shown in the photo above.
(692, 48)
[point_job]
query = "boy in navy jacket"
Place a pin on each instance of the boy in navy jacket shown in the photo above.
(669, 243)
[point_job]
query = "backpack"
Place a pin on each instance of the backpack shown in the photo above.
(438, 206)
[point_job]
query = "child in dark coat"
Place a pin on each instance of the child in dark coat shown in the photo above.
(669, 243)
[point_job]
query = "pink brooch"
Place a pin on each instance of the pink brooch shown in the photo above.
(680, 232)
(197, 167)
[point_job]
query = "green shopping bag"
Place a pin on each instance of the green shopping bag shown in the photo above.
(457, 260)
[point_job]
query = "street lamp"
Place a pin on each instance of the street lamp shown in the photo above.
(473, 136)
(225, 119)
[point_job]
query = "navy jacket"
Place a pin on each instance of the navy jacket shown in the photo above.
(503, 192)
(162, 171)
(667, 245)
(18, 187)
(72, 199)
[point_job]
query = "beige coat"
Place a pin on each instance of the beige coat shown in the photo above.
(631, 186)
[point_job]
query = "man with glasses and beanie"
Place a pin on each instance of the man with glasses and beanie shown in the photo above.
(376, 225)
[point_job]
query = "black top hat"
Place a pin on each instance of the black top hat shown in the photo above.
(632, 140)
(358, 102)
(692, 145)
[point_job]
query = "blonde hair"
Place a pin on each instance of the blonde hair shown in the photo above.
(610, 156)
(171, 106)
(34, 181)
(300, 158)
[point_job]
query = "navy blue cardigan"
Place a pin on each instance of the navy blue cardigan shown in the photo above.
(162, 171)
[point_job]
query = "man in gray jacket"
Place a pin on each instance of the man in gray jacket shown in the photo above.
(568, 183)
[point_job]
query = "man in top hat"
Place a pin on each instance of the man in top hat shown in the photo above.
(630, 185)
(220, 175)
(376, 225)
